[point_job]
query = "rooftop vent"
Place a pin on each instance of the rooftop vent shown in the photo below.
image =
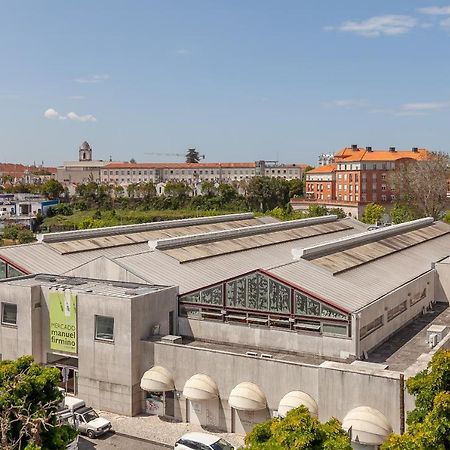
(415, 149)
(369, 149)
(392, 149)
(354, 147)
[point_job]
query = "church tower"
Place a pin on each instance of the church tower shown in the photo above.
(85, 152)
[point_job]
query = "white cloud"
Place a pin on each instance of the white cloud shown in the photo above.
(92, 78)
(389, 25)
(435, 10)
(349, 103)
(85, 118)
(52, 114)
(424, 107)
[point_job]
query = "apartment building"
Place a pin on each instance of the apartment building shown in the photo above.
(193, 173)
(357, 176)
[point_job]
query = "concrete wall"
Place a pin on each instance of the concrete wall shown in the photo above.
(104, 269)
(382, 306)
(230, 369)
(443, 281)
(267, 338)
(24, 338)
(336, 387)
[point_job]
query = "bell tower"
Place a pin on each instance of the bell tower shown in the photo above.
(85, 152)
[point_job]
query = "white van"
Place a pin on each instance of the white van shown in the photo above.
(83, 418)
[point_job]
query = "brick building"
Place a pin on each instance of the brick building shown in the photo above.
(356, 177)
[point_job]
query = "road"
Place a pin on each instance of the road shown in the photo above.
(112, 441)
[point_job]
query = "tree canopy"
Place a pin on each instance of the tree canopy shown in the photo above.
(421, 185)
(429, 422)
(192, 156)
(298, 431)
(373, 213)
(28, 403)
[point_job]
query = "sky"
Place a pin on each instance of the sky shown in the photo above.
(240, 80)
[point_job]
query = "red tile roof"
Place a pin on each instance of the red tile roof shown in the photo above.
(323, 169)
(361, 154)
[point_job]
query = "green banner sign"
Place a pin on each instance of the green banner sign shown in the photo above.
(63, 321)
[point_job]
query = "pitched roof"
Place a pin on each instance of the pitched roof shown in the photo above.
(361, 154)
(323, 169)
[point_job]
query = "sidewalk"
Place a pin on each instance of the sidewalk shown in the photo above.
(157, 429)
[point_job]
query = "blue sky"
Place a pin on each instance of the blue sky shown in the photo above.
(238, 79)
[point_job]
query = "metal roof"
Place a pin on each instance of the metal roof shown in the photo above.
(221, 247)
(353, 257)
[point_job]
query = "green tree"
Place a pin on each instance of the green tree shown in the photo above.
(401, 213)
(52, 189)
(317, 210)
(373, 213)
(296, 187)
(29, 400)
(337, 212)
(192, 156)
(177, 189)
(10, 232)
(429, 421)
(298, 431)
(264, 193)
(446, 217)
(24, 236)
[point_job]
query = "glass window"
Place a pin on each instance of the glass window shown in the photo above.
(372, 326)
(2, 269)
(9, 313)
(334, 329)
(326, 311)
(279, 297)
(104, 328)
(12, 272)
(396, 310)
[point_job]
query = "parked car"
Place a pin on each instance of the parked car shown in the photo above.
(83, 418)
(202, 441)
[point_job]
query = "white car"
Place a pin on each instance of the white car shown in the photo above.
(202, 441)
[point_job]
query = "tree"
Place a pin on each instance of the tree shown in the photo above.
(401, 213)
(264, 193)
(373, 213)
(52, 189)
(192, 156)
(317, 210)
(298, 431)
(422, 185)
(295, 187)
(29, 400)
(429, 422)
(24, 236)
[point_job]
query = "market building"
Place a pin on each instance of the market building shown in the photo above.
(225, 321)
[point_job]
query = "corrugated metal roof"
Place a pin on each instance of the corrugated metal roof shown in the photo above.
(82, 245)
(201, 251)
(361, 285)
(362, 254)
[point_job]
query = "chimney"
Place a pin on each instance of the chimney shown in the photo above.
(369, 149)
(392, 149)
(415, 149)
(354, 147)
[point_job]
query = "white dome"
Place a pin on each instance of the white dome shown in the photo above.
(294, 399)
(157, 379)
(247, 397)
(368, 425)
(200, 387)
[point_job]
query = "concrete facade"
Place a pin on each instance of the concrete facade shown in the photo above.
(108, 373)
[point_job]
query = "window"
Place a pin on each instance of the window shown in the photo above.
(371, 327)
(394, 312)
(12, 272)
(334, 329)
(9, 314)
(104, 328)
